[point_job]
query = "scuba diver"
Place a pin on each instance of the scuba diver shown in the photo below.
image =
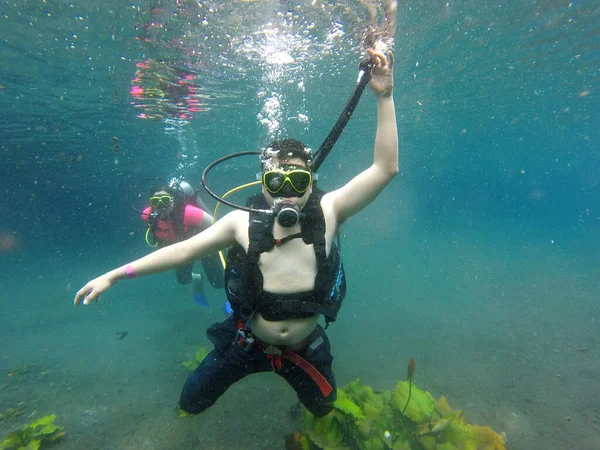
(283, 269)
(175, 214)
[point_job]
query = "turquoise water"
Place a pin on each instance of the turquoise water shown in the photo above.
(480, 260)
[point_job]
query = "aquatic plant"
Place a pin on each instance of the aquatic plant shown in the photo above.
(405, 418)
(411, 372)
(34, 436)
(12, 413)
(193, 363)
(26, 369)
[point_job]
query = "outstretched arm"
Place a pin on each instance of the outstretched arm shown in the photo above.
(217, 237)
(362, 190)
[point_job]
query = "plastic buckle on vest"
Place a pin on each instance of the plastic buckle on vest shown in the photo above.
(244, 339)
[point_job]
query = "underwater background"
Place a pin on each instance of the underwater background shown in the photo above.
(480, 260)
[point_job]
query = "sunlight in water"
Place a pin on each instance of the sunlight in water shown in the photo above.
(288, 47)
(275, 45)
(284, 48)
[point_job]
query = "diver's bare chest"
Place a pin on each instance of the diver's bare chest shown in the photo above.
(291, 267)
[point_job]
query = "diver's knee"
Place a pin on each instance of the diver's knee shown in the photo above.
(193, 406)
(319, 407)
(321, 410)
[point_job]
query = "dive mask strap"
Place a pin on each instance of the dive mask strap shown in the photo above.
(259, 175)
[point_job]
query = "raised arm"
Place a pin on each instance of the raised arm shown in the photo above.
(217, 237)
(362, 189)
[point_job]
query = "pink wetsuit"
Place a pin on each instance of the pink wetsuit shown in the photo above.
(164, 230)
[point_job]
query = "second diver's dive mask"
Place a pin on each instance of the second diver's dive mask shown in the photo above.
(160, 205)
(161, 201)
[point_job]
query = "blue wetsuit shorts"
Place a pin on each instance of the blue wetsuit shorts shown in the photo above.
(229, 362)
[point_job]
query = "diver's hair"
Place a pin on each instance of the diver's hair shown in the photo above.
(283, 149)
(162, 187)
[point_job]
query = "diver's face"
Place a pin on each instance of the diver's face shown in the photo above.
(163, 203)
(295, 199)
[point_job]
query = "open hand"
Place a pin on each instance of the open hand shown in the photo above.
(382, 75)
(92, 290)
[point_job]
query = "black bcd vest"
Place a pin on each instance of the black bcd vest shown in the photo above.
(244, 281)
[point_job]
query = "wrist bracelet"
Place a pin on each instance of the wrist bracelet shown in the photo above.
(129, 272)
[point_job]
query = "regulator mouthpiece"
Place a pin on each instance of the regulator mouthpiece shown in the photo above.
(287, 216)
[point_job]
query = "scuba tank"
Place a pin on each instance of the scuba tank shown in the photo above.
(189, 195)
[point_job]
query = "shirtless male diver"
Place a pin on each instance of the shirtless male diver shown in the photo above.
(285, 339)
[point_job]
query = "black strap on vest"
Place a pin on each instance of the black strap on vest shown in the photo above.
(178, 216)
(279, 242)
(312, 226)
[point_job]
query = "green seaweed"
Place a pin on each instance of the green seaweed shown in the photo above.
(422, 405)
(346, 405)
(34, 436)
(13, 413)
(201, 353)
(326, 432)
(365, 420)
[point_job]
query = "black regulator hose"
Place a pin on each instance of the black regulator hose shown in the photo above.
(221, 199)
(364, 75)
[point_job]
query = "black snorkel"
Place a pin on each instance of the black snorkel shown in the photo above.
(364, 75)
